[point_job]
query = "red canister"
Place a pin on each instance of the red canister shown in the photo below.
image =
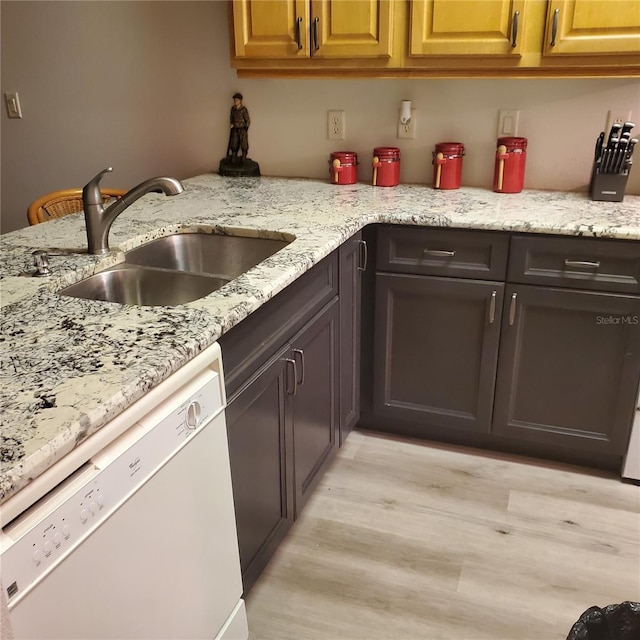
(343, 167)
(511, 158)
(386, 166)
(447, 165)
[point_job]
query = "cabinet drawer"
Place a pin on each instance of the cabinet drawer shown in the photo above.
(579, 263)
(443, 252)
(250, 343)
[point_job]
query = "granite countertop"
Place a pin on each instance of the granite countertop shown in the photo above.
(70, 365)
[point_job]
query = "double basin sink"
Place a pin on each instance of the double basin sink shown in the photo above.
(176, 269)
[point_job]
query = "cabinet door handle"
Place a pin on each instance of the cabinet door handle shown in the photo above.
(514, 29)
(299, 352)
(512, 308)
(292, 362)
(492, 307)
(439, 252)
(586, 264)
(316, 46)
(299, 32)
(554, 27)
(364, 255)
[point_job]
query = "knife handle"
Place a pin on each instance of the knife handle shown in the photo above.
(599, 143)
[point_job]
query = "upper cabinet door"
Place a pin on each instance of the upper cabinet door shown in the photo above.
(271, 28)
(289, 29)
(467, 27)
(351, 28)
(577, 27)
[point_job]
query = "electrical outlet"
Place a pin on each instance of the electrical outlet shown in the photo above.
(407, 131)
(616, 115)
(508, 122)
(335, 125)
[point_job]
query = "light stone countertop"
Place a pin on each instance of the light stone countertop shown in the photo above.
(68, 365)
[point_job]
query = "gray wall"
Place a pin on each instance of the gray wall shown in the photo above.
(146, 87)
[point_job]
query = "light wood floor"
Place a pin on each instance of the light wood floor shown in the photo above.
(419, 541)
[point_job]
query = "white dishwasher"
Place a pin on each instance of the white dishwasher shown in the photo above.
(138, 541)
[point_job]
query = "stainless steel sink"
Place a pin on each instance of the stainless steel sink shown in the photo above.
(129, 284)
(220, 255)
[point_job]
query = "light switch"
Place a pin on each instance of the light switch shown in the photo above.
(508, 122)
(12, 101)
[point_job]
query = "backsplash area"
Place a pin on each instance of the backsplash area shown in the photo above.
(93, 105)
(560, 117)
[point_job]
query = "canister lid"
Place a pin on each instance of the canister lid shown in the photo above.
(387, 152)
(345, 156)
(513, 142)
(450, 148)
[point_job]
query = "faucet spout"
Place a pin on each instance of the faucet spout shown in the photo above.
(99, 220)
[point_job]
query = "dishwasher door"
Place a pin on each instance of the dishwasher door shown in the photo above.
(162, 563)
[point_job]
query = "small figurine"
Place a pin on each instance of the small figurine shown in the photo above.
(231, 164)
(239, 135)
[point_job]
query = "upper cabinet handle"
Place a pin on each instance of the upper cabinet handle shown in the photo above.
(554, 27)
(299, 32)
(364, 255)
(316, 45)
(514, 29)
(439, 252)
(587, 264)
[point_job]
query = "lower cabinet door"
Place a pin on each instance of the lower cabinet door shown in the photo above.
(315, 400)
(353, 259)
(436, 349)
(259, 432)
(569, 368)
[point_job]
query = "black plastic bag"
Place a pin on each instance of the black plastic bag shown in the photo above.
(613, 622)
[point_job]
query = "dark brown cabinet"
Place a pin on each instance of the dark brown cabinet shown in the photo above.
(259, 432)
(568, 371)
(548, 370)
(313, 398)
(436, 335)
(353, 258)
(436, 350)
(282, 375)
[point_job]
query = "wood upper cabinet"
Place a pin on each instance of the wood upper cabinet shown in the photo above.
(271, 28)
(466, 27)
(351, 28)
(290, 29)
(436, 38)
(585, 27)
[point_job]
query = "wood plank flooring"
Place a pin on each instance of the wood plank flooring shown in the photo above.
(407, 540)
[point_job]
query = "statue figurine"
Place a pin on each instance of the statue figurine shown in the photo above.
(239, 136)
(231, 164)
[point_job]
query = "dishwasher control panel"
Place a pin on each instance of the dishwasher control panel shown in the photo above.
(34, 543)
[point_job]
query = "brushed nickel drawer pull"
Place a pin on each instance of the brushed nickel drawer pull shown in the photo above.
(300, 352)
(291, 362)
(512, 308)
(587, 264)
(364, 256)
(492, 307)
(439, 252)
